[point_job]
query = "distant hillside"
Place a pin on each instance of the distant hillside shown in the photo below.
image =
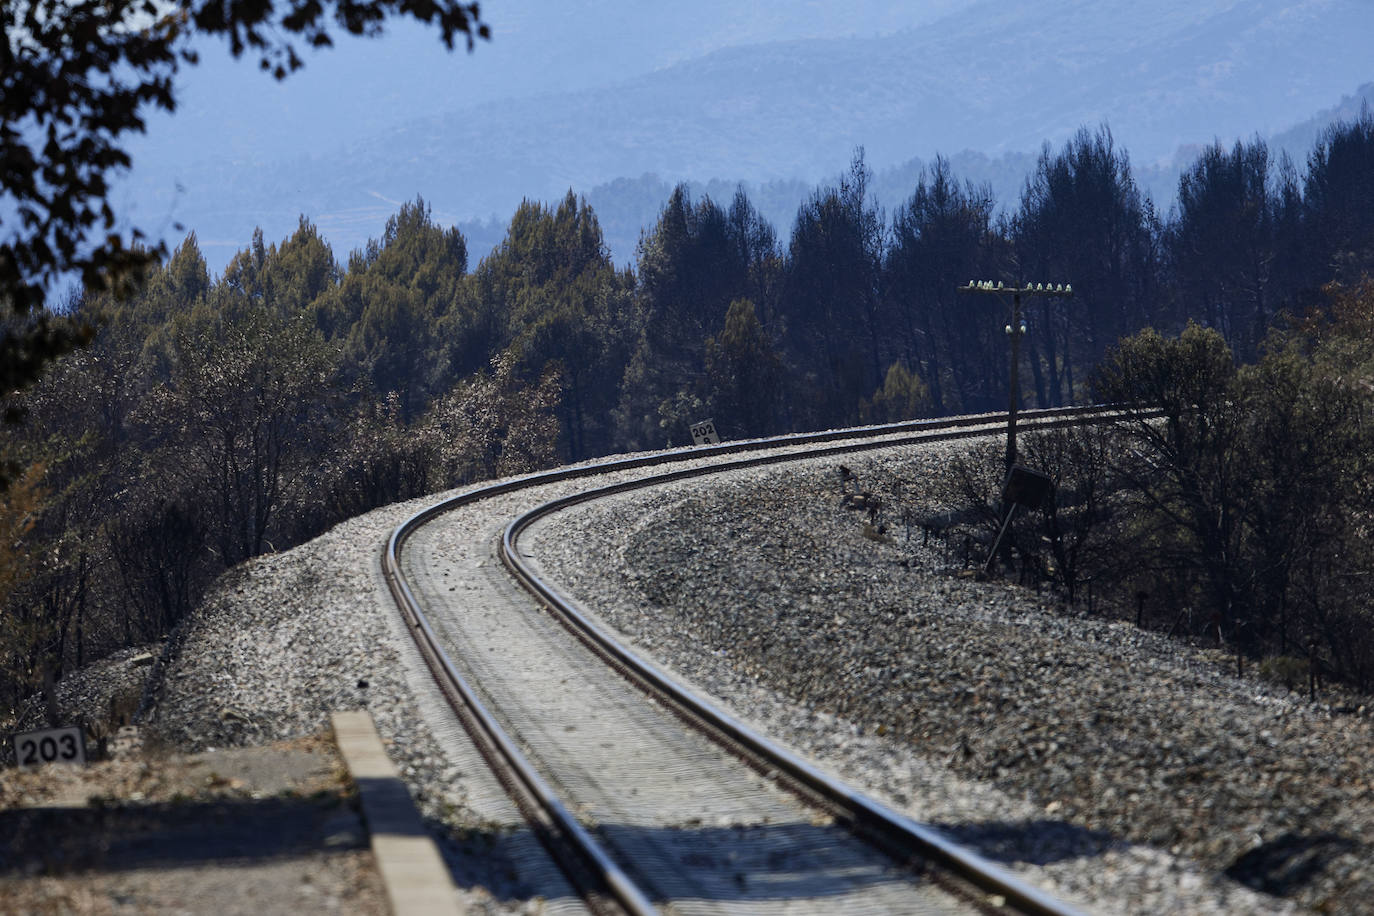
(1299, 140)
(992, 76)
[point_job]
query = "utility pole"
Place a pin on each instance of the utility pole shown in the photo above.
(1016, 328)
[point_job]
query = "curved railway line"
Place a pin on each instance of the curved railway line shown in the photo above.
(642, 812)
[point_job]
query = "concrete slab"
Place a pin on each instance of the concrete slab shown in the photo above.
(417, 881)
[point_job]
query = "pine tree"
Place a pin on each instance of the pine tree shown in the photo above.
(1083, 221)
(941, 239)
(1222, 245)
(831, 299)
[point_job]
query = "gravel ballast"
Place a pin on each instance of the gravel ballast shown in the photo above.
(1135, 773)
(284, 640)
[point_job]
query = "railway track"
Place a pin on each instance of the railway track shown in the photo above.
(652, 799)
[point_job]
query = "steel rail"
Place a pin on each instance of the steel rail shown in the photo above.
(593, 871)
(590, 867)
(890, 827)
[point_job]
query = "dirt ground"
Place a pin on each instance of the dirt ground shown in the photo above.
(255, 831)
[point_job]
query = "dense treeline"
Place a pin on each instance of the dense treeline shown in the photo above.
(213, 419)
(1229, 502)
(1250, 501)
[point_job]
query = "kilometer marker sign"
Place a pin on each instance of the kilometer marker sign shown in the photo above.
(50, 745)
(704, 433)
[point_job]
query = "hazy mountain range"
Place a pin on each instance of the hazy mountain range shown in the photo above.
(619, 100)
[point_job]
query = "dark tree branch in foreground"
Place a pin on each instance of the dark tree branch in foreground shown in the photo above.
(76, 77)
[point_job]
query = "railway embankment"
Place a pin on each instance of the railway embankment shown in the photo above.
(1095, 759)
(1123, 765)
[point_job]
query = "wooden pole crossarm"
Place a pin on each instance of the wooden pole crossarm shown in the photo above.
(1015, 328)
